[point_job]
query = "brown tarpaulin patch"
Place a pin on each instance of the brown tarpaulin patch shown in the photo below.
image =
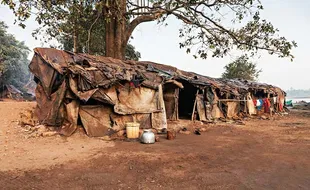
(216, 112)
(232, 109)
(108, 95)
(201, 107)
(70, 126)
(136, 100)
(96, 119)
(159, 120)
(84, 96)
(50, 111)
(44, 72)
(56, 58)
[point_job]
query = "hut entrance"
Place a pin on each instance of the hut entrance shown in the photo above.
(187, 97)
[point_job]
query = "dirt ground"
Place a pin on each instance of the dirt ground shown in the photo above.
(262, 154)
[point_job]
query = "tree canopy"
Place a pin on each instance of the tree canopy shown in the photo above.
(241, 68)
(211, 27)
(90, 38)
(13, 59)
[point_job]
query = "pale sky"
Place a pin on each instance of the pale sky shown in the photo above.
(161, 44)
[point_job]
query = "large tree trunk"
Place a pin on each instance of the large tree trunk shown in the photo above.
(115, 24)
(118, 29)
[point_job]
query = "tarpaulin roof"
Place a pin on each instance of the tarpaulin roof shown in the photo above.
(98, 71)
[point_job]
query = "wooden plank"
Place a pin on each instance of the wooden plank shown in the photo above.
(194, 107)
(201, 108)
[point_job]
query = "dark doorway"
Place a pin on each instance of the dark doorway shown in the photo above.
(187, 97)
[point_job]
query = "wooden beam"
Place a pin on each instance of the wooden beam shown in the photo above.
(194, 107)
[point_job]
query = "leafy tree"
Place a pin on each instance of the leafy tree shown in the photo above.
(13, 59)
(241, 68)
(205, 28)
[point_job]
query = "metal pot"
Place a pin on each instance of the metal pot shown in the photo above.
(148, 137)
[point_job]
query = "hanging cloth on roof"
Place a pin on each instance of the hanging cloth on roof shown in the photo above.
(255, 102)
(266, 105)
(272, 103)
(250, 105)
(136, 81)
(259, 104)
(280, 106)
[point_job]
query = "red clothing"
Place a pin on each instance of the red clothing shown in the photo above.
(280, 106)
(266, 105)
(255, 102)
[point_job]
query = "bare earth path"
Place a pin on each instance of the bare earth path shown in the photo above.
(263, 154)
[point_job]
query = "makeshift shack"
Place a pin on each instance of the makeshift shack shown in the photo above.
(102, 94)
(11, 92)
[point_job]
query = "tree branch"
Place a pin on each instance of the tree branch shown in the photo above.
(89, 31)
(141, 19)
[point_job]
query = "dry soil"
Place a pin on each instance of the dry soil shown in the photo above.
(262, 154)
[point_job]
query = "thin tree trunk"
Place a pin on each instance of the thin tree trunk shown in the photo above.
(89, 33)
(75, 41)
(75, 33)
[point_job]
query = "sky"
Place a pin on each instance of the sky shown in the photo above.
(161, 44)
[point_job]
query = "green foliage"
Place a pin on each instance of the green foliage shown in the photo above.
(211, 28)
(89, 41)
(131, 53)
(59, 19)
(241, 68)
(13, 59)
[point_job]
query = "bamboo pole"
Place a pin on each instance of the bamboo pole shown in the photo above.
(194, 107)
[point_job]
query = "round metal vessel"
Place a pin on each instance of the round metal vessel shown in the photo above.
(148, 137)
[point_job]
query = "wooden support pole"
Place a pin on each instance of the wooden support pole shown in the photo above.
(194, 107)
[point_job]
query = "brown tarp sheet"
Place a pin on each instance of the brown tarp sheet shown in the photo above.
(136, 100)
(44, 72)
(232, 109)
(216, 112)
(95, 119)
(50, 111)
(159, 119)
(70, 126)
(201, 107)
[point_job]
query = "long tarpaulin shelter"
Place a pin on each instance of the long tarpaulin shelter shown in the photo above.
(103, 93)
